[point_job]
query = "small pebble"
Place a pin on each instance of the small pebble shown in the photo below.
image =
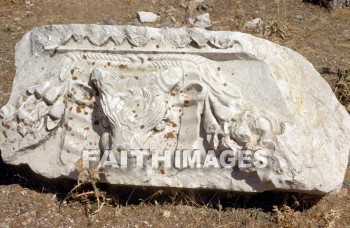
(183, 5)
(166, 214)
(147, 17)
(109, 21)
(299, 17)
(201, 21)
(252, 24)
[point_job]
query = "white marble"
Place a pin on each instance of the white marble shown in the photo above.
(94, 89)
(147, 17)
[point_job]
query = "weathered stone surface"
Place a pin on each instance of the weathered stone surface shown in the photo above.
(86, 90)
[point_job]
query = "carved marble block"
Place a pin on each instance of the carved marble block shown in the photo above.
(184, 108)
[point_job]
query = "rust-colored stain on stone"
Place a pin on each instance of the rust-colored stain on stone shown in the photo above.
(67, 127)
(169, 135)
(122, 67)
(173, 124)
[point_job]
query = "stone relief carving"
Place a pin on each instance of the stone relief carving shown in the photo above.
(114, 88)
(124, 100)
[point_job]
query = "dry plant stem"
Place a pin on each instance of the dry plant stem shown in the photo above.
(98, 195)
(159, 192)
(92, 174)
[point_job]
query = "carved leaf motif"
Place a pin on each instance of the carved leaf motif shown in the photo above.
(98, 40)
(65, 34)
(137, 36)
(222, 42)
(198, 37)
(117, 36)
(78, 33)
(98, 37)
(181, 39)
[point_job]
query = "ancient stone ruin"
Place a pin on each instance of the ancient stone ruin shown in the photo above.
(185, 108)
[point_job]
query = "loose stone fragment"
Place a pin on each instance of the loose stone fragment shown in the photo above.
(255, 23)
(201, 21)
(147, 17)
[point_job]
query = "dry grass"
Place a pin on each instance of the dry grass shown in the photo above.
(342, 88)
(92, 200)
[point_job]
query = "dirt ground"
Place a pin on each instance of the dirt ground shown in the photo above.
(319, 34)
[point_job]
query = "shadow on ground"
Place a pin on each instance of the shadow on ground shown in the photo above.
(126, 195)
